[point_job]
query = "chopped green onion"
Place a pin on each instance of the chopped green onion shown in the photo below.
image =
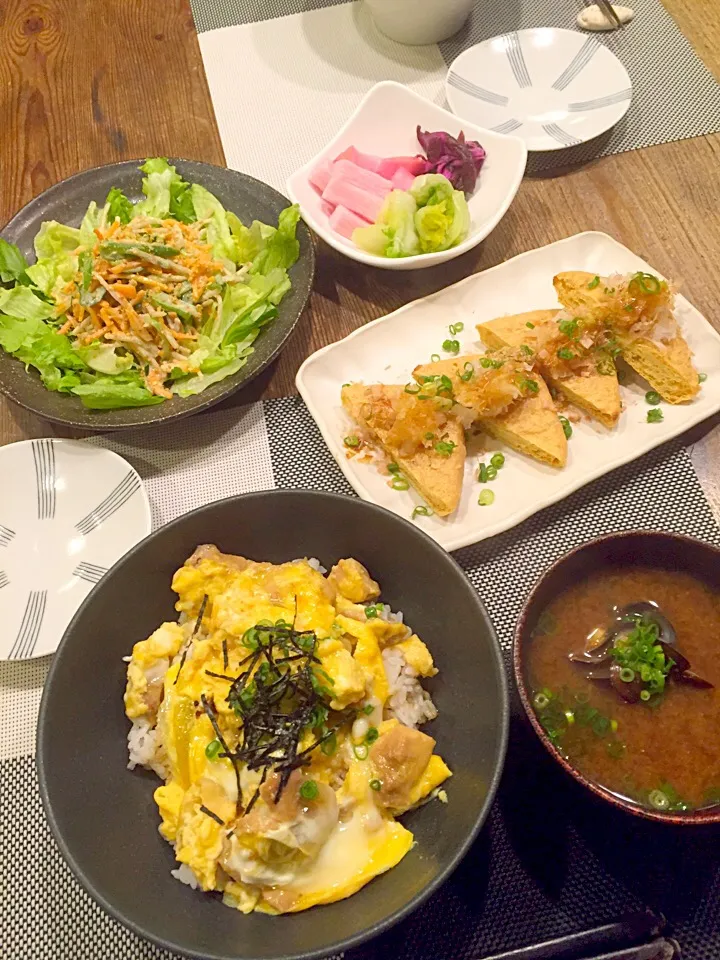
(486, 498)
(435, 357)
(567, 426)
(497, 460)
(653, 398)
(491, 472)
(372, 735)
(488, 363)
(482, 473)
(445, 447)
(329, 746)
(524, 348)
(213, 749)
(658, 800)
(393, 467)
(606, 366)
(360, 751)
(570, 717)
(412, 388)
(627, 675)
(421, 511)
(309, 790)
(600, 725)
(376, 785)
(429, 436)
(593, 283)
(654, 416)
(702, 377)
(645, 695)
(368, 709)
(451, 346)
(372, 610)
(352, 441)
(614, 726)
(568, 328)
(647, 283)
(565, 353)
(541, 700)
(399, 483)
(531, 385)
(468, 371)
(456, 328)
(530, 326)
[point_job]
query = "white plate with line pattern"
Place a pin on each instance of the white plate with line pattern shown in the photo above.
(552, 88)
(68, 512)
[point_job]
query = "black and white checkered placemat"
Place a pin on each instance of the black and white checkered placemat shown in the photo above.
(307, 63)
(549, 861)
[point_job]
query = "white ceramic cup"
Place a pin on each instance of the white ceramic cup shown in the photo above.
(420, 21)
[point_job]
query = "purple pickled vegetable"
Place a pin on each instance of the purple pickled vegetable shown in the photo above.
(459, 160)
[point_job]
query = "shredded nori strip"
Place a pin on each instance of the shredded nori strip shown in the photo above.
(225, 654)
(277, 703)
(201, 614)
(210, 711)
(213, 816)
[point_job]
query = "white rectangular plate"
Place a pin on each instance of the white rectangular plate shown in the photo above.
(387, 350)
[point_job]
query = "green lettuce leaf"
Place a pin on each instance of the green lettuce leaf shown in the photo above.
(188, 388)
(156, 185)
(22, 303)
(12, 263)
(118, 206)
(95, 218)
(219, 236)
(112, 393)
(57, 262)
(281, 247)
(103, 358)
(182, 207)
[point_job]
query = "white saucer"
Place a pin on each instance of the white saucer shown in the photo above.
(68, 512)
(552, 88)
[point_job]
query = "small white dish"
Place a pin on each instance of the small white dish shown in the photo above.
(385, 124)
(387, 350)
(553, 88)
(68, 512)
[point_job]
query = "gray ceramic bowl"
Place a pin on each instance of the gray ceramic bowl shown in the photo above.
(103, 817)
(67, 202)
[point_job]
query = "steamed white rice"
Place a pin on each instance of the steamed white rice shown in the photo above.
(185, 874)
(408, 701)
(144, 750)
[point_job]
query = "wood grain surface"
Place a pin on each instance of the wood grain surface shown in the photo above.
(85, 83)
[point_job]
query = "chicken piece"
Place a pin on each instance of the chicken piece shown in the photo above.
(146, 671)
(399, 758)
(353, 581)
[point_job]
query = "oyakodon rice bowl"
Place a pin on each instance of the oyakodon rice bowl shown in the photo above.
(281, 710)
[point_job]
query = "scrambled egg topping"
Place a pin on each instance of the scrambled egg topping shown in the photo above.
(272, 835)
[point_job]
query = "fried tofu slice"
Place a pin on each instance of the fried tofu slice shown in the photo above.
(598, 394)
(396, 421)
(635, 317)
(529, 425)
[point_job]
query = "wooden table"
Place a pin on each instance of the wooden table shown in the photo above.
(83, 86)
